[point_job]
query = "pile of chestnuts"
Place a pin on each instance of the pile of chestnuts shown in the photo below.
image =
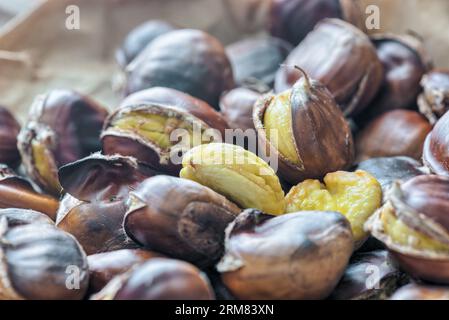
(308, 163)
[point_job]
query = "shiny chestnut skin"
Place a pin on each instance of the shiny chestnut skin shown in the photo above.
(434, 101)
(436, 147)
(97, 188)
(298, 255)
(415, 291)
(159, 279)
(294, 19)
(342, 58)
(139, 37)
(257, 59)
(394, 133)
(369, 276)
(237, 107)
(158, 101)
(54, 256)
(179, 218)
(188, 60)
(63, 126)
(19, 217)
(9, 129)
(106, 265)
(323, 145)
(17, 192)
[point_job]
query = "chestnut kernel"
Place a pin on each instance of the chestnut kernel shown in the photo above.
(9, 129)
(434, 101)
(63, 126)
(159, 279)
(188, 60)
(436, 147)
(305, 148)
(415, 291)
(93, 208)
(298, 255)
(342, 58)
(179, 218)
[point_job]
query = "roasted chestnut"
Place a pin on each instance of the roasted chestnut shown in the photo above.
(390, 169)
(294, 19)
(97, 188)
(414, 225)
(369, 276)
(138, 38)
(342, 58)
(190, 61)
(293, 256)
(257, 59)
(9, 129)
(63, 126)
(18, 217)
(305, 129)
(434, 101)
(106, 265)
(158, 125)
(394, 133)
(179, 218)
(40, 262)
(16, 192)
(436, 147)
(159, 279)
(405, 61)
(415, 291)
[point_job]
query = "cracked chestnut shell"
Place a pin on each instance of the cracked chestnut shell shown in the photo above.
(157, 125)
(63, 126)
(434, 101)
(93, 208)
(394, 133)
(179, 218)
(415, 291)
(342, 58)
(414, 225)
(313, 137)
(139, 37)
(292, 20)
(40, 262)
(298, 255)
(103, 267)
(188, 60)
(257, 59)
(9, 129)
(159, 279)
(436, 147)
(17, 192)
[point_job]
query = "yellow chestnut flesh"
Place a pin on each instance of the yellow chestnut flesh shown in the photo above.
(45, 166)
(237, 174)
(356, 195)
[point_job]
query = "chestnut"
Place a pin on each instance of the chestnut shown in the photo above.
(304, 127)
(405, 61)
(41, 262)
(179, 218)
(394, 133)
(159, 279)
(415, 291)
(157, 125)
(369, 276)
(63, 126)
(434, 101)
(414, 225)
(237, 107)
(9, 129)
(436, 147)
(17, 192)
(97, 188)
(139, 37)
(257, 59)
(18, 217)
(343, 59)
(188, 60)
(106, 265)
(387, 170)
(294, 19)
(298, 255)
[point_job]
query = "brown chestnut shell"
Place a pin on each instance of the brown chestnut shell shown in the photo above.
(415, 291)
(9, 130)
(237, 107)
(434, 101)
(436, 147)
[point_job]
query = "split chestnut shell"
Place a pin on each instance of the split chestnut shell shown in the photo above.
(434, 101)
(436, 147)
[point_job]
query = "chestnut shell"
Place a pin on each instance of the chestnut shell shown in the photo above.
(9, 129)
(436, 147)
(415, 291)
(434, 101)
(237, 107)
